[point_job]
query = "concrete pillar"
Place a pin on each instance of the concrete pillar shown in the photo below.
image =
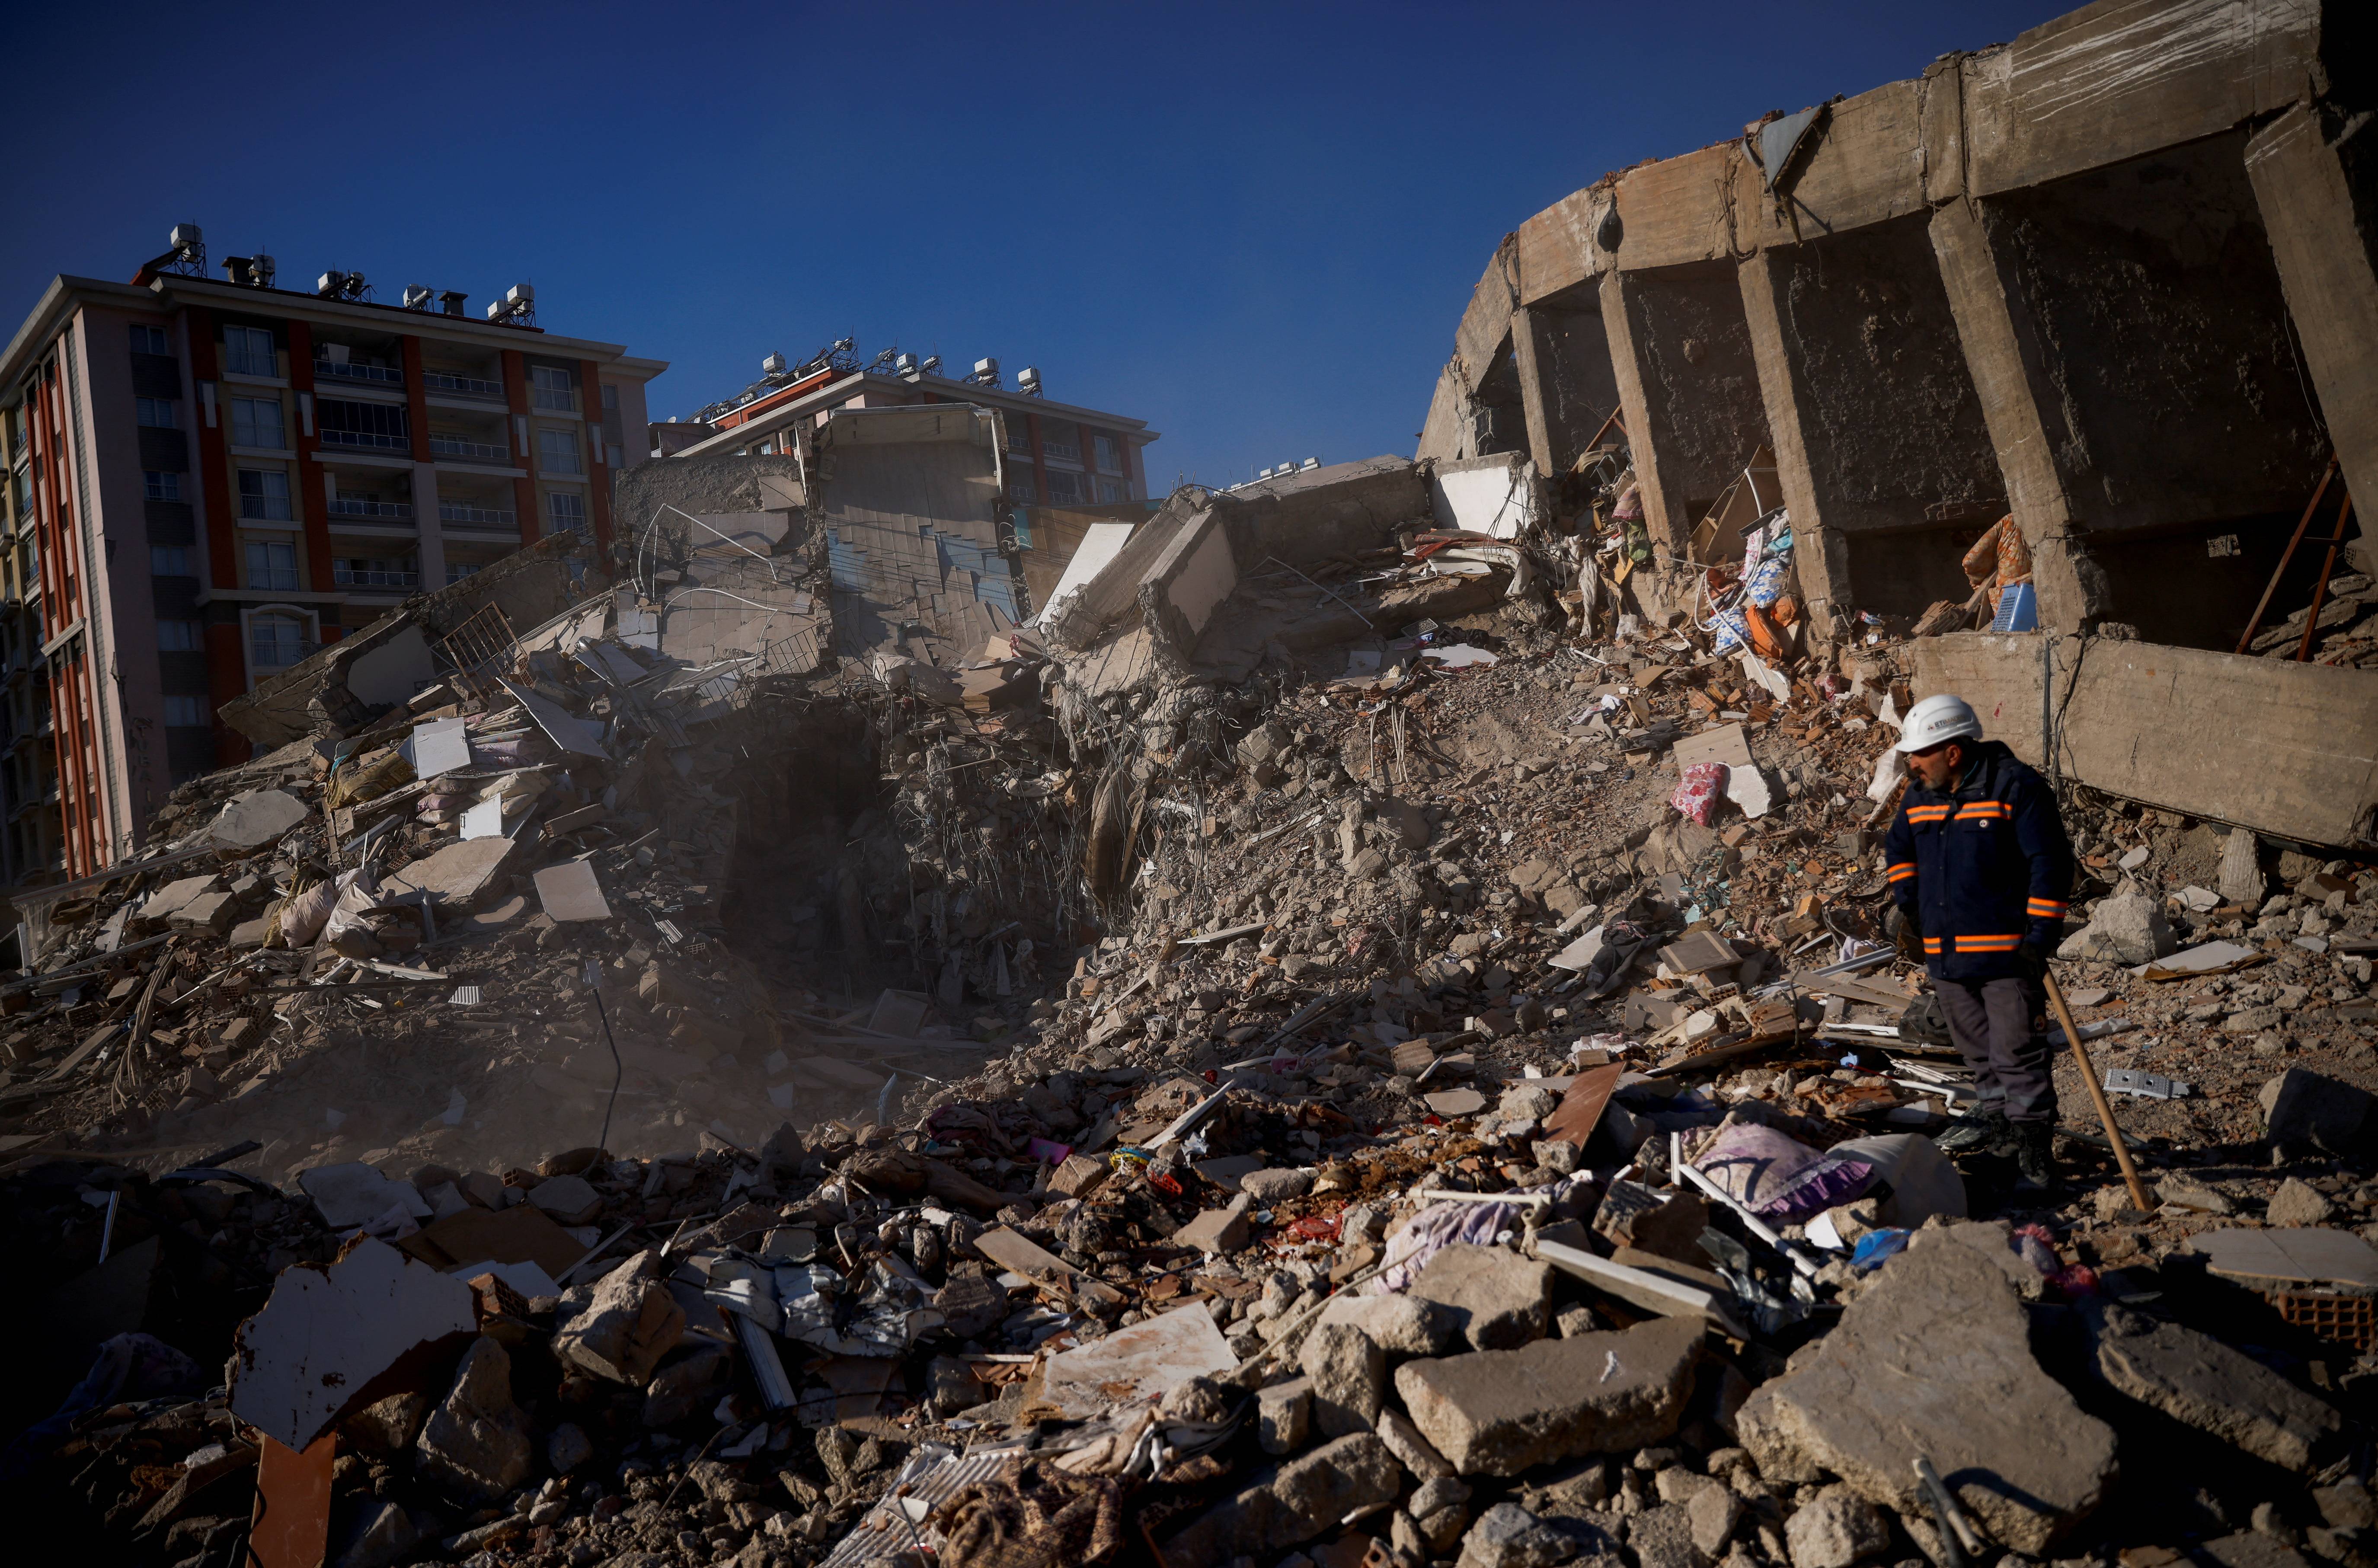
(1527, 357)
(2026, 419)
(2302, 166)
(1663, 485)
(432, 543)
(1819, 552)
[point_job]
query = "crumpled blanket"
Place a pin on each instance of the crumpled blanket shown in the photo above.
(1031, 1516)
(1697, 796)
(2000, 559)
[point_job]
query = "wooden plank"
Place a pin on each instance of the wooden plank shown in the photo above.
(1854, 989)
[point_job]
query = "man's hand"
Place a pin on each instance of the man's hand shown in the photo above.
(2032, 959)
(1909, 936)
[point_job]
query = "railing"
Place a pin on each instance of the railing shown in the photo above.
(351, 371)
(463, 516)
(366, 438)
(347, 577)
(264, 508)
(1064, 451)
(468, 451)
(343, 508)
(469, 386)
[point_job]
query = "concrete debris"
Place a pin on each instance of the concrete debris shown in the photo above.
(776, 1048)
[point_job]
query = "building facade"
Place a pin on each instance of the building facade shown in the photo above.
(209, 480)
(1057, 454)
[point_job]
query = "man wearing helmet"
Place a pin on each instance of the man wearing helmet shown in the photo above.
(1979, 867)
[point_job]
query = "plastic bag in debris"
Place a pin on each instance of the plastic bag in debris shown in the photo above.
(1889, 769)
(1774, 1175)
(1698, 794)
(302, 917)
(358, 894)
(891, 1309)
(1877, 1247)
(1771, 1313)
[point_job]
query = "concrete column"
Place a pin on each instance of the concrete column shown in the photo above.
(432, 544)
(2302, 167)
(2026, 418)
(1527, 358)
(1819, 552)
(1663, 488)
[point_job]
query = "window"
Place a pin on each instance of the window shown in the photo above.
(185, 712)
(273, 565)
(1109, 452)
(457, 570)
(255, 422)
(275, 642)
(150, 339)
(162, 487)
(373, 572)
(264, 495)
(1064, 487)
(181, 637)
(157, 413)
(1019, 486)
(248, 351)
(1113, 490)
(553, 389)
(169, 561)
(1019, 435)
(342, 424)
(611, 399)
(557, 451)
(569, 511)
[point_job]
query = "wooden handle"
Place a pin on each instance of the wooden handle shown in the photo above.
(2096, 1093)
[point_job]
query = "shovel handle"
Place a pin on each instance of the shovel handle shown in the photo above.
(2096, 1093)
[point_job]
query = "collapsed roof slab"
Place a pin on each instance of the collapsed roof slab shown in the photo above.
(2286, 750)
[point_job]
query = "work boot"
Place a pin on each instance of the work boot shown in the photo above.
(2035, 1157)
(1984, 1132)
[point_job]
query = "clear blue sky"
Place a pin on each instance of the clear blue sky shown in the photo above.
(1252, 226)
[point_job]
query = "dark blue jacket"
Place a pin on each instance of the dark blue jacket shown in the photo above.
(1982, 871)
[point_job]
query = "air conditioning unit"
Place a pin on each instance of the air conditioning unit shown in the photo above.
(520, 294)
(329, 284)
(772, 365)
(906, 365)
(335, 353)
(187, 236)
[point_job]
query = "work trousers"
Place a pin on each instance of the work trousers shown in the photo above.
(1996, 1026)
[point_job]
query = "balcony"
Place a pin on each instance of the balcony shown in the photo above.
(398, 512)
(456, 514)
(456, 449)
(370, 439)
(462, 386)
(1064, 451)
(349, 576)
(385, 374)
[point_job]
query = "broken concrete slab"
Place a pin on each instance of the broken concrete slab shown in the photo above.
(476, 1444)
(1400, 1324)
(2308, 1109)
(570, 891)
(2199, 1381)
(333, 1337)
(2128, 927)
(628, 1325)
(1934, 1360)
(1348, 1372)
(353, 1194)
(257, 818)
(1835, 1529)
(456, 876)
(1141, 1361)
(1508, 1535)
(1501, 1299)
(1292, 1504)
(1217, 1230)
(1497, 1412)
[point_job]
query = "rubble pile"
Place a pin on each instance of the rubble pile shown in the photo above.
(1421, 1091)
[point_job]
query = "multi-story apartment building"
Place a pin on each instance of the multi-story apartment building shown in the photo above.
(1058, 455)
(208, 480)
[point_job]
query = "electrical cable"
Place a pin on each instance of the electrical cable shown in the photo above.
(619, 1068)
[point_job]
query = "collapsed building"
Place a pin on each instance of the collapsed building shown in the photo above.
(1349, 1021)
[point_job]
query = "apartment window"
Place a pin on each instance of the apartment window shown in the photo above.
(248, 351)
(275, 642)
(457, 570)
(1113, 490)
(569, 511)
(255, 422)
(553, 389)
(150, 339)
(557, 451)
(158, 413)
(181, 637)
(273, 565)
(1064, 487)
(161, 485)
(383, 425)
(187, 712)
(1109, 452)
(374, 572)
(169, 561)
(1019, 486)
(264, 495)
(1019, 435)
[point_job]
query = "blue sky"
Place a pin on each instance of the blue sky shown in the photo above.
(1254, 227)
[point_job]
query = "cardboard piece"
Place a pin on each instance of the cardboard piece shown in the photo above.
(1017, 1254)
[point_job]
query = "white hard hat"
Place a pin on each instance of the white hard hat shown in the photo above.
(1937, 719)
